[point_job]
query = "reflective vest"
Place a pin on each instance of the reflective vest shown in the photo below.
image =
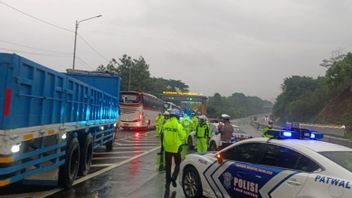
(195, 123)
(174, 135)
(186, 123)
(203, 131)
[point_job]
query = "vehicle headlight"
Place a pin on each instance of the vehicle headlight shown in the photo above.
(64, 136)
(102, 128)
(114, 124)
(15, 148)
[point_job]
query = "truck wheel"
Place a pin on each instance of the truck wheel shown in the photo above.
(68, 171)
(109, 146)
(191, 183)
(86, 155)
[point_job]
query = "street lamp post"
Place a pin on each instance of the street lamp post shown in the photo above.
(75, 42)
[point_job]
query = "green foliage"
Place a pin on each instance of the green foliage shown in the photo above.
(302, 98)
(237, 105)
(137, 70)
(339, 75)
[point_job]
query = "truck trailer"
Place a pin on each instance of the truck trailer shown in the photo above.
(50, 122)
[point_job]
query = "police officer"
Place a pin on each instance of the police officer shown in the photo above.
(158, 123)
(160, 133)
(195, 121)
(226, 131)
(266, 130)
(186, 123)
(203, 133)
(174, 137)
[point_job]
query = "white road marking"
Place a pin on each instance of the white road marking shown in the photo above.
(82, 179)
(122, 148)
(100, 165)
(136, 144)
(117, 152)
(105, 158)
(144, 141)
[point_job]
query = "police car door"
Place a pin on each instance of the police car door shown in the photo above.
(242, 174)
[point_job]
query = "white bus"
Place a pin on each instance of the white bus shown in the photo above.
(169, 106)
(139, 110)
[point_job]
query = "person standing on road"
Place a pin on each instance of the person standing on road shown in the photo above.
(160, 133)
(158, 123)
(266, 130)
(186, 123)
(203, 133)
(226, 131)
(174, 137)
(195, 121)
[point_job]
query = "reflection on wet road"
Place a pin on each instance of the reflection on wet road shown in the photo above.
(129, 171)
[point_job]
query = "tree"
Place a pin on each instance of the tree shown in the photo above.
(135, 73)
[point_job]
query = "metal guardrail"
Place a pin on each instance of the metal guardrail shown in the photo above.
(327, 130)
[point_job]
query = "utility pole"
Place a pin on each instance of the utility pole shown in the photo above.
(74, 47)
(75, 42)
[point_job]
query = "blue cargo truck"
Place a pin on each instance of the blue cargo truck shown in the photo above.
(50, 122)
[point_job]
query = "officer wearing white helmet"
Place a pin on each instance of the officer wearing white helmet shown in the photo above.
(225, 130)
(174, 137)
(166, 115)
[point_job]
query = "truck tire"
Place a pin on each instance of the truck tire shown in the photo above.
(109, 146)
(86, 155)
(68, 172)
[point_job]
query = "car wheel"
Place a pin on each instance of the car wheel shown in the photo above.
(191, 183)
(190, 143)
(212, 146)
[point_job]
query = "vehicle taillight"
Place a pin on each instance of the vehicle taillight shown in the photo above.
(140, 116)
(7, 102)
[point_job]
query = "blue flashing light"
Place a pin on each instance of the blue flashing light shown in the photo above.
(287, 134)
(295, 133)
(312, 135)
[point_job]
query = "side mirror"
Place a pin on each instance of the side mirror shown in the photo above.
(219, 158)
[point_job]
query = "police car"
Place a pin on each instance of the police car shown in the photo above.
(291, 164)
(237, 135)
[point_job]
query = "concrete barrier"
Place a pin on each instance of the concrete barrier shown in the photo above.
(325, 129)
(339, 141)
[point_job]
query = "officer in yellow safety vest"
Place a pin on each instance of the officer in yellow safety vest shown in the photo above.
(203, 134)
(158, 123)
(195, 122)
(174, 137)
(186, 123)
(160, 133)
(265, 131)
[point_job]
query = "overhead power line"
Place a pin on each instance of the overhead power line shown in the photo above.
(36, 48)
(52, 25)
(43, 54)
(92, 48)
(34, 53)
(36, 18)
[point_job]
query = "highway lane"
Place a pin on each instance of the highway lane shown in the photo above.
(130, 170)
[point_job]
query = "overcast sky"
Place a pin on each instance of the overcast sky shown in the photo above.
(223, 46)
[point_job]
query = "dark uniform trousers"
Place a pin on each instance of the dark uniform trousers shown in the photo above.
(168, 164)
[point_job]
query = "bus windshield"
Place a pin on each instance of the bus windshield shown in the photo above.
(130, 98)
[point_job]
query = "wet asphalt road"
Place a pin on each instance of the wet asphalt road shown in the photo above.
(138, 178)
(129, 171)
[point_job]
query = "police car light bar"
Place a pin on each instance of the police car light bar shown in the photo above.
(295, 134)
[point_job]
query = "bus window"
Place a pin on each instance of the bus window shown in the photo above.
(131, 98)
